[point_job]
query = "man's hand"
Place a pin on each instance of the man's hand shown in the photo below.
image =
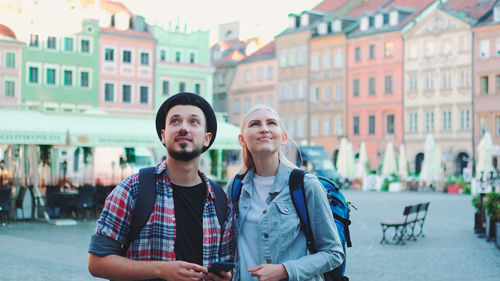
(269, 272)
(226, 276)
(182, 271)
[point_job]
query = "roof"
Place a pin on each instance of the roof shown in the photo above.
(129, 32)
(368, 6)
(329, 5)
(471, 8)
(6, 31)
(266, 52)
(417, 5)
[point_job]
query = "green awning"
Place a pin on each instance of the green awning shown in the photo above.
(29, 127)
(108, 130)
(227, 137)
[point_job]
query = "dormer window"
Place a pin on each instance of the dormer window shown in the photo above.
(394, 18)
(496, 13)
(337, 25)
(323, 28)
(304, 19)
(364, 23)
(379, 21)
(371, 22)
(292, 21)
(386, 19)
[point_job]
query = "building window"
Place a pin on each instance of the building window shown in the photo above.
(260, 100)
(314, 94)
(182, 86)
(464, 120)
(355, 87)
(34, 40)
(315, 127)
(429, 121)
(144, 94)
(301, 56)
(163, 55)
(429, 82)
(291, 58)
(498, 83)
(145, 59)
(389, 49)
(283, 59)
(498, 126)
(301, 127)
(248, 105)
(127, 56)
(109, 54)
(446, 81)
(497, 47)
(51, 42)
(446, 47)
(338, 91)
(338, 59)
(357, 54)
(248, 75)
(270, 100)
(68, 78)
(270, 73)
(51, 76)
(191, 57)
(326, 93)
(178, 56)
(68, 44)
(109, 92)
(315, 62)
(413, 122)
(372, 51)
(464, 78)
(260, 74)
(390, 124)
(355, 125)
(484, 125)
(85, 46)
(338, 125)
(236, 106)
(413, 83)
(84, 79)
(10, 60)
(327, 61)
(388, 84)
(371, 86)
(484, 85)
(197, 88)
(429, 49)
(33, 75)
(126, 93)
(413, 51)
(165, 89)
(484, 49)
(446, 121)
(326, 126)
(371, 125)
(10, 90)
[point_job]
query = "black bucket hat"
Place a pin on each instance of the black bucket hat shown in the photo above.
(186, 98)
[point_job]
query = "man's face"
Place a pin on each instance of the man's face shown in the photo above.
(185, 134)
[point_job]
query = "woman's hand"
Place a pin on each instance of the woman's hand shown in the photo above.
(269, 272)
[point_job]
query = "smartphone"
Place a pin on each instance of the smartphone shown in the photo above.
(221, 266)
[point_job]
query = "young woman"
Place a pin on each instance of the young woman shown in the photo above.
(270, 244)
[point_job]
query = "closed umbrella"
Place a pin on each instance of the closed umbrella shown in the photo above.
(402, 165)
(484, 161)
(342, 158)
(362, 161)
(351, 171)
(438, 159)
(389, 166)
(428, 172)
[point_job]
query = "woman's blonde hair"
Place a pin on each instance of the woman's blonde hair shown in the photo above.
(247, 162)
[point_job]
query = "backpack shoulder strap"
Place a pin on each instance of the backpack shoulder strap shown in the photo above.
(298, 194)
(236, 188)
(220, 203)
(143, 206)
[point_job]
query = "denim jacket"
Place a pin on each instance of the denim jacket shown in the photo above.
(280, 238)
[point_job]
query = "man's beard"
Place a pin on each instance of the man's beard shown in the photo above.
(184, 155)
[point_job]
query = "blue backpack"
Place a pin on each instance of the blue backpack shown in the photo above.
(338, 204)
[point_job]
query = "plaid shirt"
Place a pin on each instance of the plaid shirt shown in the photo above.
(157, 237)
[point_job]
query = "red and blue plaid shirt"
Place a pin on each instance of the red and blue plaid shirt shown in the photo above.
(157, 237)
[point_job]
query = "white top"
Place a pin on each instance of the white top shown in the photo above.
(249, 236)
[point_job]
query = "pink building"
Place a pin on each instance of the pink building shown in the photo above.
(127, 52)
(374, 74)
(10, 67)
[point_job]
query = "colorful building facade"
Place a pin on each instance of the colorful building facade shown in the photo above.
(10, 67)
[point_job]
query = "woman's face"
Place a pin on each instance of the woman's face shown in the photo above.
(262, 133)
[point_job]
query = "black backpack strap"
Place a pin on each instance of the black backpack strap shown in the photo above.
(220, 203)
(143, 206)
(236, 192)
(298, 194)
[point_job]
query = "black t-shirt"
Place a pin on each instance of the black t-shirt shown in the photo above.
(188, 204)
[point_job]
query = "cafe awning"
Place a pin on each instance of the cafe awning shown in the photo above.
(227, 136)
(29, 127)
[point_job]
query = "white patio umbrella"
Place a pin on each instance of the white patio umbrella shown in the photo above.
(428, 172)
(484, 161)
(390, 166)
(438, 160)
(362, 161)
(342, 158)
(350, 161)
(402, 165)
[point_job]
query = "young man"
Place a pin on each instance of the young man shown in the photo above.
(182, 238)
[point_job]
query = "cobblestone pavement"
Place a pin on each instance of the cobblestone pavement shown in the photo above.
(450, 250)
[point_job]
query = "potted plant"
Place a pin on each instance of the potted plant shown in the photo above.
(478, 223)
(493, 215)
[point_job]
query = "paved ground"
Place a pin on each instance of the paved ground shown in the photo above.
(450, 250)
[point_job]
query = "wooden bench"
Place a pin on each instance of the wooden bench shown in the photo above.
(401, 225)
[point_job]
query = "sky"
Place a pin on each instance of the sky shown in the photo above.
(257, 17)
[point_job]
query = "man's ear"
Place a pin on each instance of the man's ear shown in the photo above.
(163, 137)
(208, 137)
